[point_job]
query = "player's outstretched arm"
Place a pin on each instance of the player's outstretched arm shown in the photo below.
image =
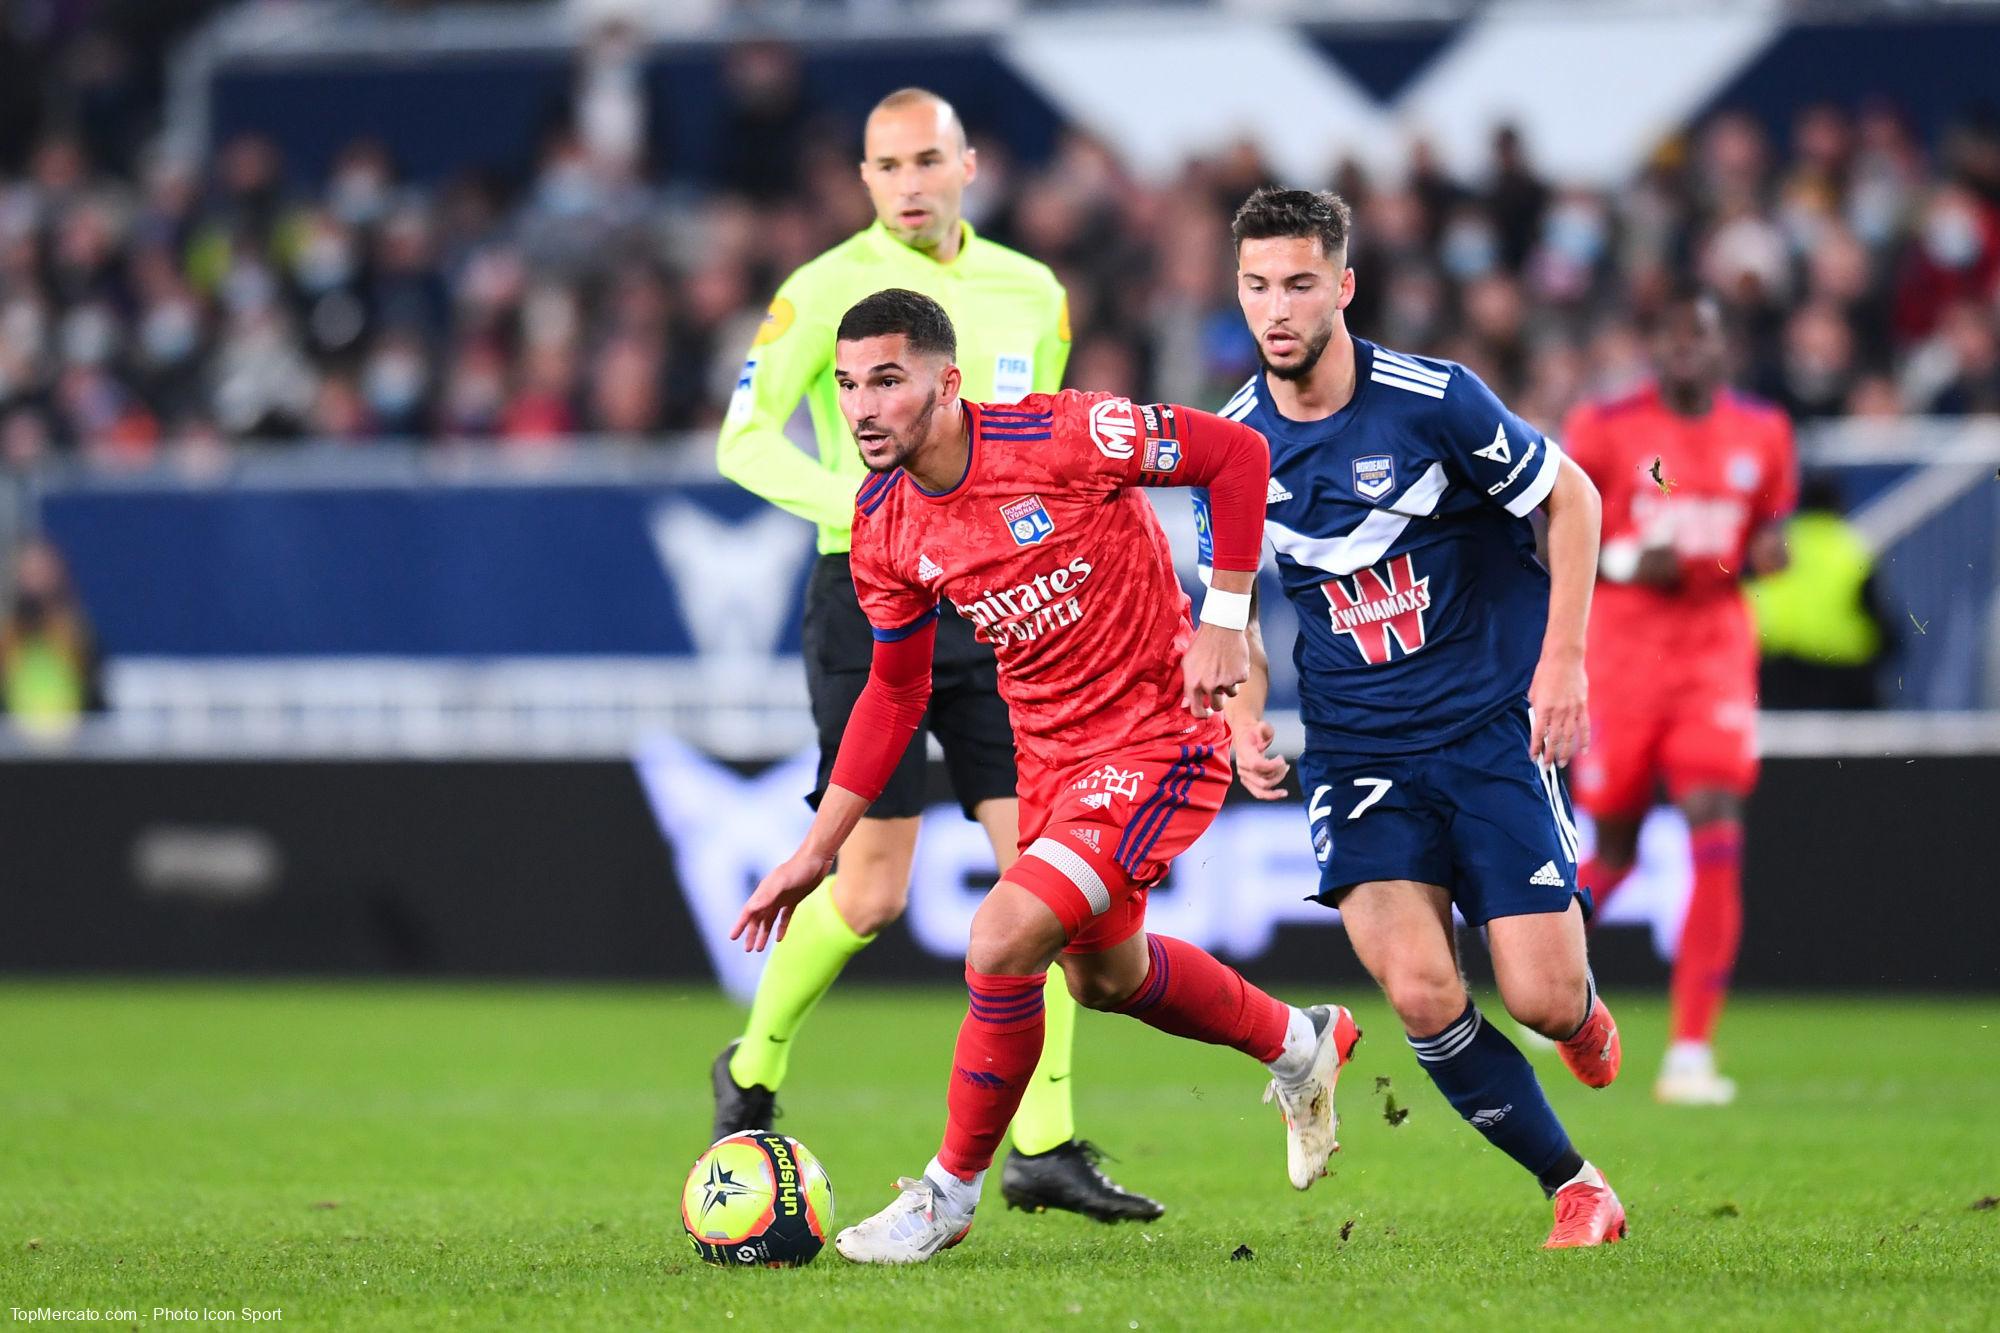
(1234, 462)
(1560, 692)
(1257, 769)
(879, 729)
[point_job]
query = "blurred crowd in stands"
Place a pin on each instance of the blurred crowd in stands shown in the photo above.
(150, 301)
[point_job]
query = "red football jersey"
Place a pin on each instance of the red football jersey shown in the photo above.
(1056, 560)
(1702, 485)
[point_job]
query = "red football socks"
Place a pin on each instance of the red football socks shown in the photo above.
(998, 1046)
(1186, 992)
(1712, 931)
(1192, 994)
(1601, 880)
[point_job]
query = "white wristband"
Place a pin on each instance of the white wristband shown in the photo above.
(1619, 561)
(1229, 610)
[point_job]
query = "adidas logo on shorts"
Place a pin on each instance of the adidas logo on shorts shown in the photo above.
(1088, 837)
(1548, 876)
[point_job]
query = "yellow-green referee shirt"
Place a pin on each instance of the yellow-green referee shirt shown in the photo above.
(1013, 340)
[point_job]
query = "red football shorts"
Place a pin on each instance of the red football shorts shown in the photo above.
(1702, 735)
(1096, 837)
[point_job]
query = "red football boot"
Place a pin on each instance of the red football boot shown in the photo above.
(1587, 1213)
(1593, 1054)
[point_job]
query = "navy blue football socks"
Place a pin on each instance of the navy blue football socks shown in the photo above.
(1489, 1082)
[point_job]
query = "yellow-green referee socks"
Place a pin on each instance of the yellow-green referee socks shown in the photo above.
(802, 968)
(1045, 1120)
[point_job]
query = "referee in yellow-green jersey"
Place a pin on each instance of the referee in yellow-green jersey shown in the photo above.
(1013, 323)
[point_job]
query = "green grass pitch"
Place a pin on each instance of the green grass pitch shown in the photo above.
(414, 1156)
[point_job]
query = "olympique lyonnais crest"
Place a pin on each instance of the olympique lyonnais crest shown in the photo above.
(1385, 602)
(1374, 476)
(1745, 471)
(1027, 520)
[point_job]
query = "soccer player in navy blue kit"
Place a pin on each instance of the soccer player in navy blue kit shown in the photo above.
(1442, 683)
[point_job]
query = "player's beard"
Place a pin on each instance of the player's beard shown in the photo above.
(907, 442)
(1315, 348)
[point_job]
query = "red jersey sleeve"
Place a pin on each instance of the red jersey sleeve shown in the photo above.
(886, 716)
(1779, 494)
(903, 618)
(895, 608)
(1582, 440)
(1166, 444)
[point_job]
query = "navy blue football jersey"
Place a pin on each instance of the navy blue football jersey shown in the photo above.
(1402, 536)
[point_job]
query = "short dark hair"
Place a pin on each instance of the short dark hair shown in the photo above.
(1271, 212)
(899, 310)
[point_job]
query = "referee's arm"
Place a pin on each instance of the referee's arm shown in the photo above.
(753, 450)
(1052, 353)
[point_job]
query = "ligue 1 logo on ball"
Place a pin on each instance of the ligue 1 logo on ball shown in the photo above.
(1027, 520)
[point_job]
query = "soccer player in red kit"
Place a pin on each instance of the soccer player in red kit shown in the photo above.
(1696, 482)
(1026, 519)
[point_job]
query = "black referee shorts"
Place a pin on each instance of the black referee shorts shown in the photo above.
(966, 713)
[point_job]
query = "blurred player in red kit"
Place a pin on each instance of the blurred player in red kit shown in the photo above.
(1696, 481)
(1027, 519)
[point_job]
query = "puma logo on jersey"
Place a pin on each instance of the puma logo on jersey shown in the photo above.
(927, 568)
(1275, 492)
(1548, 876)
(1497, 451)
(1378, 606)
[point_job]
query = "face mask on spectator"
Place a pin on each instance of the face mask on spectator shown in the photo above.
(324, 263)
(1576, 232)
(247, 288)
(1873, 206)
(88, 336)
(25, 326)
(169, 333)
(1951, 237)
(1814, 380)
(359, 196)
(1469, 249)
(568, 191)
(394, 383)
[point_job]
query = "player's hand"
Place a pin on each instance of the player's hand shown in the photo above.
(1659, 567)
(1216, 663)
(1257, 769)
(768, 914)
(1560, 698)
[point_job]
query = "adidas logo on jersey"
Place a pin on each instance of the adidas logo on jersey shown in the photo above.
(1089, 837)
(1275, 492)
(927, 568)
(1097, 800)
(1548, 876)
(1497, 451)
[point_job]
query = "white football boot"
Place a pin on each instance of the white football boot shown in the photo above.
(1688, 1078)
(1311, 1124)
(910, 1230)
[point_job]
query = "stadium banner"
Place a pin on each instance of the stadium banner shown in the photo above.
(1595, 89)
(308, 576)
(609, 869)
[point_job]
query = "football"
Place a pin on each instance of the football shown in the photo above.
(757, 1199)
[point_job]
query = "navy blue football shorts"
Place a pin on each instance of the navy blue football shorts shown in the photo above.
(1475, 815)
